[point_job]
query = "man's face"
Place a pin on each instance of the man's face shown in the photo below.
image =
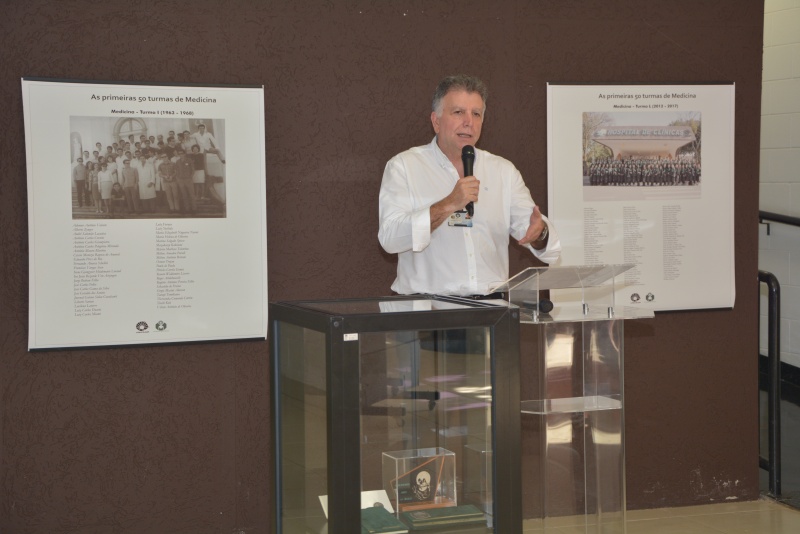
(460, 123)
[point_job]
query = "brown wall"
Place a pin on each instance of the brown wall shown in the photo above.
(177, 438)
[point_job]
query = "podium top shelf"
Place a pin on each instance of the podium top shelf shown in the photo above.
(546, 278)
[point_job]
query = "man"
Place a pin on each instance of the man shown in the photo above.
(441, 249)
(169, 149)
(130, 186)
(207, 142)
(188, 142)
(167, 171)
(184, 174)
(79, 175)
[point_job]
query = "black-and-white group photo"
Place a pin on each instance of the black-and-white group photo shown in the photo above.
(641, 149)
(143, 168)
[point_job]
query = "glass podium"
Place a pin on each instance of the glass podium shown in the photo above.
(576, 410)
(396, 411)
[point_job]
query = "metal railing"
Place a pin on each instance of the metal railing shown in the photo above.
(773, 463)
(777, 217)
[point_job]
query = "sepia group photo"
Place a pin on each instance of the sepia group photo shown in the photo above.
(147, 168)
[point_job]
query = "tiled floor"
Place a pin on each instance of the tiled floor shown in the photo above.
(755, 517)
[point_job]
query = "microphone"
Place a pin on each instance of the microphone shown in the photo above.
(468, 159)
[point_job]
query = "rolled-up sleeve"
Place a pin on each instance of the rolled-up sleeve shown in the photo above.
(402, 227)
(521, 207)
(552, 251)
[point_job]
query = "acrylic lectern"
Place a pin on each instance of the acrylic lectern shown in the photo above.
(575, 408)
(407, 404)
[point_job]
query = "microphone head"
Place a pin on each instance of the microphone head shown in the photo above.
(468, 159)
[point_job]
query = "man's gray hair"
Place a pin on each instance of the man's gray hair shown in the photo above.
(463, 82)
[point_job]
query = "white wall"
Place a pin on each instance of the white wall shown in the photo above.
(779, 189)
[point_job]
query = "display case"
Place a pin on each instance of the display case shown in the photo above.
(574, 410)
(406, 403)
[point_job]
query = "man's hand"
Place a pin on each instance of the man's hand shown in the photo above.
(535, 229)
(465, 191)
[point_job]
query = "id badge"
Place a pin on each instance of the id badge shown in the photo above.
(460, 218)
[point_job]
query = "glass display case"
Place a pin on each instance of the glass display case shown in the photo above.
(410, 404)
(575, 410)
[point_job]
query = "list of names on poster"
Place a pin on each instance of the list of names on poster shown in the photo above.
(633, 245)
(595, 232)
(173, 277)
(96, 262)
(673, 242)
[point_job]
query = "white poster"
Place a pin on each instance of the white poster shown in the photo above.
(643, 174)
(146, 213)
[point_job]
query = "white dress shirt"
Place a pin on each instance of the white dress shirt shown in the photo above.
(453, 260)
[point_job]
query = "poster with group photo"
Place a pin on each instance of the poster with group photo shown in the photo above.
(146, 213)
(643, 175)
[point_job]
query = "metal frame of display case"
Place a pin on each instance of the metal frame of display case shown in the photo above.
(343, 415)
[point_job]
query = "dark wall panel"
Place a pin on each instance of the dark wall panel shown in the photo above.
(177, 438)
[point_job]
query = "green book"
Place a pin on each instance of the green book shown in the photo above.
(378, 520)
(442, 517)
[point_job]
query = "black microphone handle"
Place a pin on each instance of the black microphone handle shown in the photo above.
(468, 159)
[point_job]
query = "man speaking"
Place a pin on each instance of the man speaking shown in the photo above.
(445, 245)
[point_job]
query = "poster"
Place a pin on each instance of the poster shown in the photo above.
(643, 175)
(146, 213)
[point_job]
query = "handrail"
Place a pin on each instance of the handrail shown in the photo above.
(773, 465)
(777, 217)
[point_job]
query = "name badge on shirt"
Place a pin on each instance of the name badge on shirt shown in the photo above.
(460, 218)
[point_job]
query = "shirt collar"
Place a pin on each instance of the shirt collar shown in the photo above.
(441, 159)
